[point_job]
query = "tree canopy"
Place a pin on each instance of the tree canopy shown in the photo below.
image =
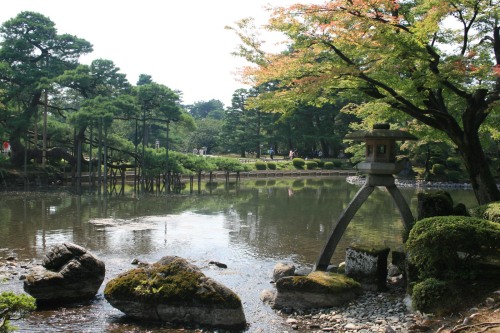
(435, 62)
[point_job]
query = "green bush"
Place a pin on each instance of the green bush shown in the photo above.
(453, 176)
(337, 163)
(271, 165)
(490, 212)
(12, 307)
(329, 166)
(298, 163)
(260, 165)
(320, 162)
(438, 169)
(311, 165)
(453, 163)
(448, 247)
(429, 295)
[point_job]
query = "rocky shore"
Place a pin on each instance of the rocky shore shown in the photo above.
(385, 312)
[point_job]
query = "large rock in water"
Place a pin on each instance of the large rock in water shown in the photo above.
(173, 290)
(316, 290)
(68, 273)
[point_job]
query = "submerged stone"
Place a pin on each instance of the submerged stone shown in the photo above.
(318, 289)
(175, 291)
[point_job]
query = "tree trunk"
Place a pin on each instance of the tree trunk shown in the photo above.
(481, 179)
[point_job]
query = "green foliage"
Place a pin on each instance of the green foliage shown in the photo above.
(329, 166)
(311, 165)
(449, 246)
(13, 307)
(429, 295)
(271, 165)
(337, 163)
(260, 165)
(490, 212)
(229, 164)
(320, 162)
(299, 163)
(453, 176)
(453, 163)
(438, 169)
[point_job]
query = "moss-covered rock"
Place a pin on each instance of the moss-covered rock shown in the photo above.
(318, 289)
(173, 290)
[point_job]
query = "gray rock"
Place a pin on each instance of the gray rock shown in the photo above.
(283, 270)
(175, 291)
(68, 273)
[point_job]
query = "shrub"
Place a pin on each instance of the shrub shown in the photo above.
(453, 176)
(447, 247)
(260, 165)
(337, 163)
(271, 165)
(298, 163)
(490, 212)
(329, 166)
(438, 169)
(311, 165)
(429, 295)
(320, 162)
(453, 163)
(12, 307)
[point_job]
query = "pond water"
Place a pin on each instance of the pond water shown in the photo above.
(249, 226)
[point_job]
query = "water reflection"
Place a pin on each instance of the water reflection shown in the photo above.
(249, 226)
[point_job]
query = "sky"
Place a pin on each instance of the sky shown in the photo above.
(181, 44)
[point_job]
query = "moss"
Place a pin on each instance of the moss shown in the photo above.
(170, 283)
(430, 295)
(320, 282)
(450, 246)
(490, 212)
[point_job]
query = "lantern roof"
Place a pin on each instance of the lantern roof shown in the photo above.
(380, 131)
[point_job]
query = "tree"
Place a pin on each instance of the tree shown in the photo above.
(437, 62)
(32, 55)
(202, 109)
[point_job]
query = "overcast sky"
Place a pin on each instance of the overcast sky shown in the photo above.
(181, 44)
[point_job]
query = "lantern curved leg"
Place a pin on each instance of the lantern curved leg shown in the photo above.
(404, 209)
(341, 225)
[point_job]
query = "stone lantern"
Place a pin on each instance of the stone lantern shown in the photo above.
(381, 149)
(380, 165)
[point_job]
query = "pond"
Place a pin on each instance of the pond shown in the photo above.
(249, 226)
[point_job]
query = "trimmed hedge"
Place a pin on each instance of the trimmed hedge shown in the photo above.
(298, 163)
(448, 247)
(429, 295)
(311, 165)
(271, 165)
(259, 165)
(438, 169)
(329, 166)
